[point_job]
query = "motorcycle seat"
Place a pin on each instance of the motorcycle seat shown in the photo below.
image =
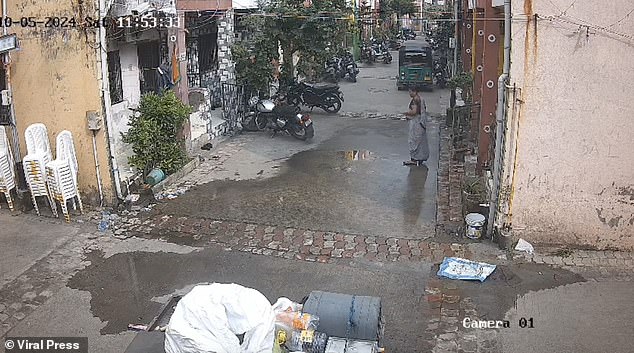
(285, 110)
(324, 86)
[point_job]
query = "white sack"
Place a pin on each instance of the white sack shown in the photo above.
(209, 317)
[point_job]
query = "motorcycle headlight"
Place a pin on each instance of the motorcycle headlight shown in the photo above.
(253, 101)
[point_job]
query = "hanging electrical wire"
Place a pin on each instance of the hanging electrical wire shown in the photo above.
(622, 19)
(589, 25)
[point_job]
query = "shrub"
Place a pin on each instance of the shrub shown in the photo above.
(154, 130)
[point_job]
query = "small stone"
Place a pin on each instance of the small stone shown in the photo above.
(19, 316)
(450, 346)
(29, 296)
(3, 317)
(274, 245)
(2, 307)
(337, 253)
(16, 306)
(308, 242)
(468, 346)
(432, 327)
(329, 244)
(447, 336)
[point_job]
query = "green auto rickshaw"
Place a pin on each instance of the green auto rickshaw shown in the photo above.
(415, 67)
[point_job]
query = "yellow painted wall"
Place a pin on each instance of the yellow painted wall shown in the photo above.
(55, 80)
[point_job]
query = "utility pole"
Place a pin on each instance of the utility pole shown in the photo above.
(455, 40)
(422, 15)
(357, 31)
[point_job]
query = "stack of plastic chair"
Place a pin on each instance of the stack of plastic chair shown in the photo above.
(7, 168)
(34, 164)
(62, 174)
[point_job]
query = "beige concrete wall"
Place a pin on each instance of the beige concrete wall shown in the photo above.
(574, 179)
(55, 81)
(121, 112)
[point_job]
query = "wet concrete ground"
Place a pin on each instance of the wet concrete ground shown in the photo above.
(323, 184)
(352, 182)
(586, 317)
(122, 286)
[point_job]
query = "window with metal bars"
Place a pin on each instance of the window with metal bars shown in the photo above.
(149, 61)
(114, 77)
(5, 110)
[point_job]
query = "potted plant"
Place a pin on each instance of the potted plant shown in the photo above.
(473, 195)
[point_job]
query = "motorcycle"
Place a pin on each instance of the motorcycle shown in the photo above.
(440, 74)
(332, 70)
(367, 54)
(265, 113)
(381, 53)
(325, 96)
(409, 34)
(347, 67)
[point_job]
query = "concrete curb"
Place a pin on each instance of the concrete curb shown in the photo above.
(217, 141)
(172, 178)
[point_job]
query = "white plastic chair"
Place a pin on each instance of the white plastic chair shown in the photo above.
(7, 168)
(34, 164)
(62, 174)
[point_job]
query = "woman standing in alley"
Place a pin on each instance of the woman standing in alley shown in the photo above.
(417, 139)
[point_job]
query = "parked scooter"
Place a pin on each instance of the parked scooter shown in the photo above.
(325, 96)
(381, 51)
(348, 67)
(408, 33)
(266, 114)
(367, 53)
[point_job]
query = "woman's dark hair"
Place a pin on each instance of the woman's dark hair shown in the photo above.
(414, 89)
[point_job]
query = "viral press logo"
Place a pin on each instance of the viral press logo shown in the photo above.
(46, 344)
(9, 344)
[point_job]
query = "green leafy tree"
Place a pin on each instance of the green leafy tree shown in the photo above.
(314, 32)
(464, 81)
(154, 133)
(398, 7)
(392, 10)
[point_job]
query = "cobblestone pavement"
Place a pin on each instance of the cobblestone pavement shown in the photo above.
(597, 265)
(289, 243)
(445, 332)
(329, 247)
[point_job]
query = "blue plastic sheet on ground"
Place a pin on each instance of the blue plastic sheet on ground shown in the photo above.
(457, 268)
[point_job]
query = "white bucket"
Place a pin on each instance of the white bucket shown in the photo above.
(474, 222)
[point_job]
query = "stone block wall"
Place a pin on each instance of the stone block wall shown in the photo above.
(226, 37)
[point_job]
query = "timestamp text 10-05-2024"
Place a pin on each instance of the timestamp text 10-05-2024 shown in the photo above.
(139, 21)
